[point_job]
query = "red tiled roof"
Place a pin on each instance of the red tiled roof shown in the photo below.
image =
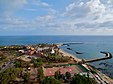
(49, 71)
(61, 69)
(72, 69)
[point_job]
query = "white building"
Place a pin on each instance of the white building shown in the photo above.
(53, 51)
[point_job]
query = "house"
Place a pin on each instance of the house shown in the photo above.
(39, 50)
(52, 51)
(31, 52)
(21, 51)
(24, 58)
(39, 54)
(46, 48)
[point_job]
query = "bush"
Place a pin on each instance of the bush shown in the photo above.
(78, 79)
(50, 80)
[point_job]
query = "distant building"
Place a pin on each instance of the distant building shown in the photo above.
(52, 51)
(39, 50)
(46, 48)
(21, 51)
(24, 58)
(31, 52)
(39, 54)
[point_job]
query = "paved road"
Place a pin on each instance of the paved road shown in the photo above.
(7, 65)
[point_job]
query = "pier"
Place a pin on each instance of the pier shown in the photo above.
(74, 51)
(108, 55)
(72, 43)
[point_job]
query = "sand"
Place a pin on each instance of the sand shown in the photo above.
(70, 55)
(78, 60)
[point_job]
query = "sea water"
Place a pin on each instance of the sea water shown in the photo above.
(89, 46)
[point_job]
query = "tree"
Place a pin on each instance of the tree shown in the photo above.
(68, 75)
(2, 56)
(50, 80)
(40, 74)
(57, 75)
(21, 64)
(9, 75)
(37, 62)
(39, 59)
(78, 79)
(17, 63)
(26, 78)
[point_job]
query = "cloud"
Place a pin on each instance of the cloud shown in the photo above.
(31, 9)
(83, 17)
(14, 24)
(93, 14)
(44, 19)
(40, 3)
(77, 11)
(7, 7)
(10, 22)
(44, 4)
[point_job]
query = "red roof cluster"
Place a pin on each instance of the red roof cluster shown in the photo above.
(49, 72)
(63, 69)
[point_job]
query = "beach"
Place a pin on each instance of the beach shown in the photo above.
(64, 53)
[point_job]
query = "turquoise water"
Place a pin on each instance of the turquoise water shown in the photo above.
(91, 47)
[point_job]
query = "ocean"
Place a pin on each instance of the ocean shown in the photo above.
(90, 46)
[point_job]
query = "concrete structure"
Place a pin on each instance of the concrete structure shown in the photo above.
(52, 51)
(108, 55)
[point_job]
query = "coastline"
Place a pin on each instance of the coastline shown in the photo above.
(104, 76)
(69, 55)
(64, 53)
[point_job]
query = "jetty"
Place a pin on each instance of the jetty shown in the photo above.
(75, 51)
(108, 55)
(72, 43)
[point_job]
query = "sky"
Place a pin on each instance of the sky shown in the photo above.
(56, 17)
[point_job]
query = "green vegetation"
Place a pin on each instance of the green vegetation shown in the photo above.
(21, 64)
(49, 59)
(37, 62)
(2, 57)
(50, 80)
(22, 71)
(40, 75)
(57, 75)
(78, 79)
(14, 47)
(26, 78)
(57, 58)
(68, 75)
(41, 59)
(9, 75)
(66, 78)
